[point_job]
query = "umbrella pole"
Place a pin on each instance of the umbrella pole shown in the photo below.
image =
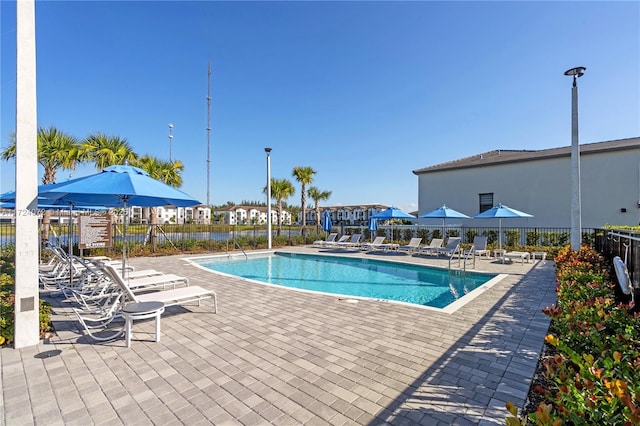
(124, 239)
(69, 232)
(59, 226)
(70, 244)
(500, 232)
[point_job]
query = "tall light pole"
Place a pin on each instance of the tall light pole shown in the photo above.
(170, 139)
(576, 203)
(268, 151)
(208, 131)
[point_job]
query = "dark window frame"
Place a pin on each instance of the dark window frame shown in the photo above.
(485, 201)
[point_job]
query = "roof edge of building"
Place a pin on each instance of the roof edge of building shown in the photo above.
(501, 156)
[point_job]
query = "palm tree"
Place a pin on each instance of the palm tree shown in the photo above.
(318, 196)
(168, 172)
(107, 151)
(281, 189)
(56, 150)
(164, 171)
(304, 175)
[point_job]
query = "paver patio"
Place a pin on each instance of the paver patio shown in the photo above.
(283, 357)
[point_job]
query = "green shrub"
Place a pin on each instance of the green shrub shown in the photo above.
(7, 299)
(453, 233)
(558, 239)
(492, 236)
(512, 237)
(594, 376)
(471, 234)
(424, 234)
(533, 238)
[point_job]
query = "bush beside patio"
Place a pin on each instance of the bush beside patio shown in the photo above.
(591, 365)
(7, 299)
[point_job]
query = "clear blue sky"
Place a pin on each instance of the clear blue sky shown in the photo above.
(363, 92)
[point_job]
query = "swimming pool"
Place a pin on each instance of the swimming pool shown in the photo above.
(352, 276)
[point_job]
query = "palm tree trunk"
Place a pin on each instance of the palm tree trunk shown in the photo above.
(279, 217)
(304, 209)
(46, 225)
(154, 228)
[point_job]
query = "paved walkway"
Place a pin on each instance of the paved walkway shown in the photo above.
(283, 357)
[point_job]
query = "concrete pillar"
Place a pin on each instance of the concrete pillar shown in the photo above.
(27, 329)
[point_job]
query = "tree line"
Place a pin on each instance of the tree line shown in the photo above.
(58, 150)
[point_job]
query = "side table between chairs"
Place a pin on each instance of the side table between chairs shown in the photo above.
(541, 254)
(499, 254)
(141, 310)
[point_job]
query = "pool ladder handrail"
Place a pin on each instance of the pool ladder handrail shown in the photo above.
(470, 253)
(459, 253)
(236, 244)
(463, 257)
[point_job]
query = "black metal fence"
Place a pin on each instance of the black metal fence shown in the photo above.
(510, 236)
(215, 237)
(179, 237)
(623, 243)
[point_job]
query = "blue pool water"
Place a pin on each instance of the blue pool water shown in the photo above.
(358, 277)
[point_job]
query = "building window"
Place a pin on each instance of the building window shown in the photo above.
(486, 202)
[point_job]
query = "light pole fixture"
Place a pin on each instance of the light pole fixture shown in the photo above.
(576, 203)
(268, 151)
(170, 139)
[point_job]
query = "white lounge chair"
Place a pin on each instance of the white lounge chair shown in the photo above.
(354, 242)
(432, 248)
(104, 322)
(322, 243)
(342, 239)
(413, 246)
(94, 285)
(176, 296)
(99, 321)
(479, 247)
(452, 247)
(376, 244)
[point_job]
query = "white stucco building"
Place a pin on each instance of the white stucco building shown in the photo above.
(539, 183)
(250, 215)
(169, 214)
(347, 215)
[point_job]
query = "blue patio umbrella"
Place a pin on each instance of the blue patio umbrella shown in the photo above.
(373, 226)
(501, 211)
(118, 186)
(326, 222)
(393, 213)
(443, 213)
(115, 186)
